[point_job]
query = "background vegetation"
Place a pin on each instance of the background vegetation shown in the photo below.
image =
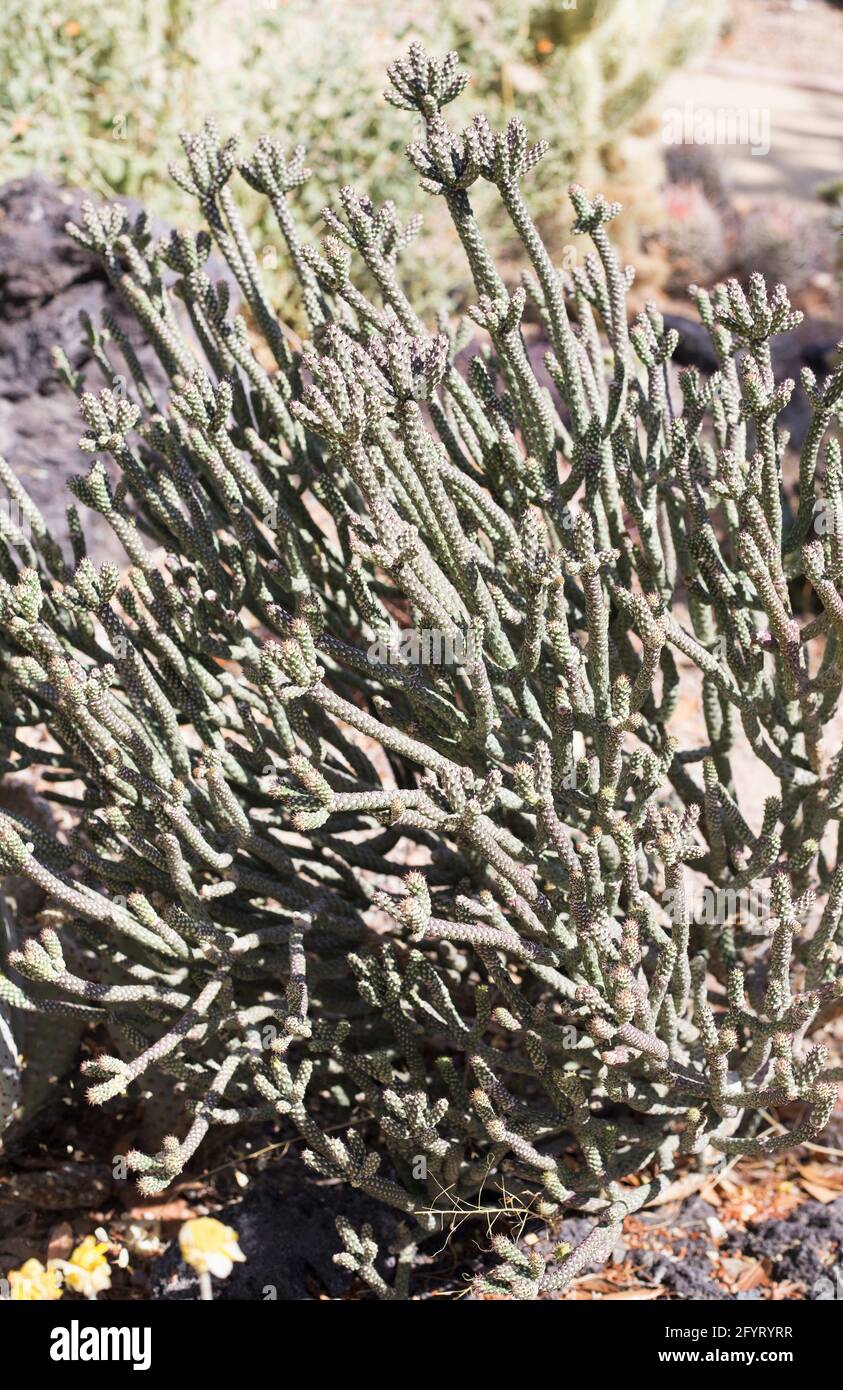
(95, 94)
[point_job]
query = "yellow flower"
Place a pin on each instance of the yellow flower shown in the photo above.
(209, 1246)
(87, 1270)
(33, 1283)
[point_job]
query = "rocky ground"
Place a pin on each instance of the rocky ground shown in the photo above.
(754, 1230)
(48, 285)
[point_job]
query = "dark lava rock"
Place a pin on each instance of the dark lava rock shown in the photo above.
(289, 1239)
(812, 345)
(689, 1277)
(694, 348)
(46, 281)
(692, 1215)
(804, 1248)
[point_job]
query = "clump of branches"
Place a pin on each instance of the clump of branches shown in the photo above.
(394, 598)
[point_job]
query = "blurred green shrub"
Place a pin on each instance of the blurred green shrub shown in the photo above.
(95, 94)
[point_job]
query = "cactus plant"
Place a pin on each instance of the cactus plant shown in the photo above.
(537, 1012)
